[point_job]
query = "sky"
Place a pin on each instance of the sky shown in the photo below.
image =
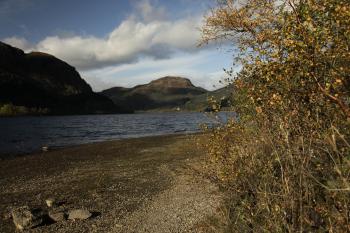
(118, 42)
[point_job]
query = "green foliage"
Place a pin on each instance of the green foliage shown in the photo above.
(13, 110)
(287, 159)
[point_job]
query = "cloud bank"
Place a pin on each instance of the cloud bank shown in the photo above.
(146, 45)
(200, 67)
(147, 32)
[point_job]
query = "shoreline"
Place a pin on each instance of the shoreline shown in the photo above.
(130, 183)
(6, 156)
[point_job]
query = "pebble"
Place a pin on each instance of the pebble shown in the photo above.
(24, 218)
(79, 214)
(50, 202)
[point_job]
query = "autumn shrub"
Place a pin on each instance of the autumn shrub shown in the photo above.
(285, 162)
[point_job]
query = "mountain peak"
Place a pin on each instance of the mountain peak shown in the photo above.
(172, 82)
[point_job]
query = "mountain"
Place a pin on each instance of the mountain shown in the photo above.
(41, 81)
(165, 93)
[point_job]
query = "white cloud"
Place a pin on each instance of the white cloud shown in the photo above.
(145, 33)
(145, 46)
(193, 66)
(19, 43)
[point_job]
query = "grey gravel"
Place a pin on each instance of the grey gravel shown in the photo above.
(190, 200)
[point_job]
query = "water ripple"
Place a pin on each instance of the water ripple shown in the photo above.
(29, 134)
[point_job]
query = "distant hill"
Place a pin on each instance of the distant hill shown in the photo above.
(200, 102)
(39, 80)
(164, 93)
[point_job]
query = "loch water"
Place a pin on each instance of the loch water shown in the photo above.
(21, 135)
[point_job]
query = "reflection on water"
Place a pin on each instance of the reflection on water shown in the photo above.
(28, 134)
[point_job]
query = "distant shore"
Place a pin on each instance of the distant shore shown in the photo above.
(121, 181)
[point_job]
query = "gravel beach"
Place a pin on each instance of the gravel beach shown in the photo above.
(133, 185)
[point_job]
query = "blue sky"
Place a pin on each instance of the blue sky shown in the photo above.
(118, 42)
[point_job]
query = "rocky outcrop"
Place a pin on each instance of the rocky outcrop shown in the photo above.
(39, 80)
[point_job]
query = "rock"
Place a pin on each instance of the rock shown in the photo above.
(50, 202)
(79, 214)
(57, 215)
(24, 218)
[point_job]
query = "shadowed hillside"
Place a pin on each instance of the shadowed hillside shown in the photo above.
(41, 81)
